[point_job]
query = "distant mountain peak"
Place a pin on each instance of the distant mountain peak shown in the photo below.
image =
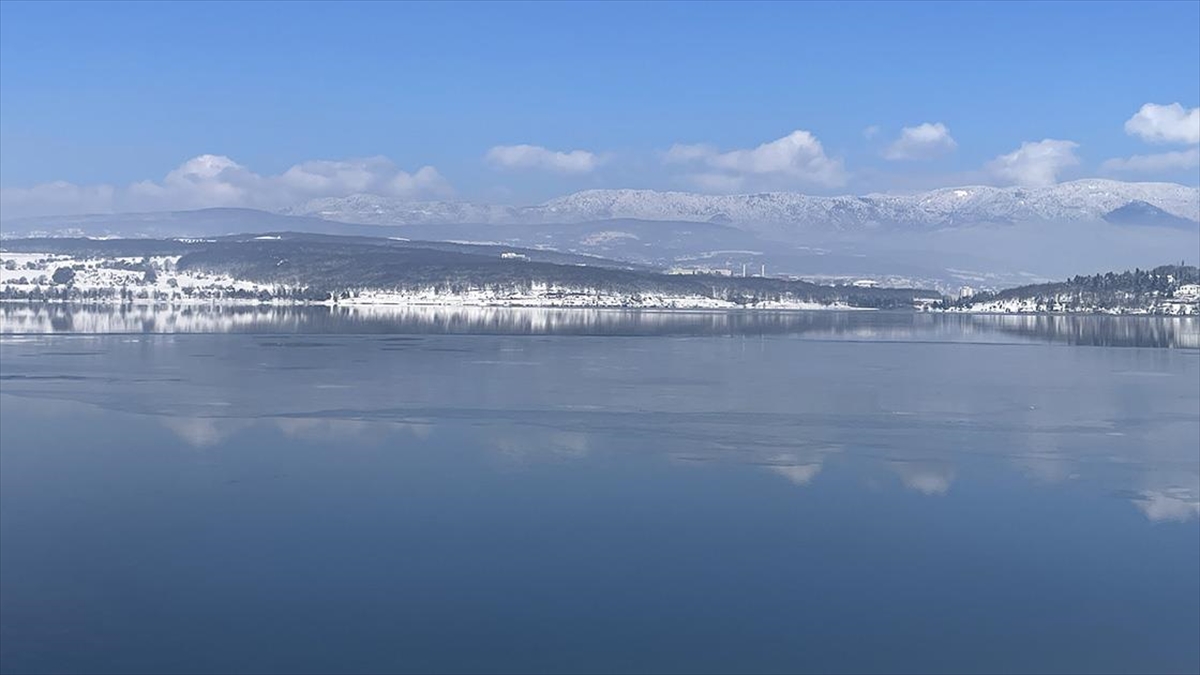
(1141, 213)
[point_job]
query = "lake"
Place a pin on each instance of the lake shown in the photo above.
(465, 490)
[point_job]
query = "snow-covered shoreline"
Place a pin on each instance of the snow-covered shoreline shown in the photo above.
(557, 297)
(1035, 307)
(28, 277)
(159, 281)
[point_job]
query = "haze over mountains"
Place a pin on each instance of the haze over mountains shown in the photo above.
(977, 235)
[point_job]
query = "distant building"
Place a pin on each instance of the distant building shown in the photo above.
(966, 292)
(865, 283)
(1188, 292)
(512, 255)
(714, 271)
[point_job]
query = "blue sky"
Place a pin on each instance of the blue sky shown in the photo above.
(101, 95)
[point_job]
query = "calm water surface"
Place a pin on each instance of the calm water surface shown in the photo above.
(512, 491)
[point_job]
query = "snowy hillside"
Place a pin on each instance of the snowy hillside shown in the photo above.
(1091, 199)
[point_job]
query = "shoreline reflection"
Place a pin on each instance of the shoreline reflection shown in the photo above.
(1081, 330)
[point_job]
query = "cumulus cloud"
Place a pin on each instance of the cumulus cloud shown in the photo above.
(871, 132)
(1172, 123)
(1034, 163)
(215, 180)
(1161, 162)
(924, 141)
(537, 157)
(796, 158)
(1156, 123)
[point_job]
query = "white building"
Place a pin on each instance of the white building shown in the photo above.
(715, 271)
(1188, 292)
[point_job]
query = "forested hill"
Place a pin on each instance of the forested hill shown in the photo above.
(286, 266)
(1171, 289)
(342, 267)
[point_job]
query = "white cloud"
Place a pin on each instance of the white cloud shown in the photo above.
(62, 196)
(1034, 163)
(682, 153)
(795, 158)
(1161, 162)
(215, 180)
(799, 152)
(924, 141)
(375, 175)
(1156, 123)
(1165, 124)
(717, 182)
(537, 157)
(871, 132)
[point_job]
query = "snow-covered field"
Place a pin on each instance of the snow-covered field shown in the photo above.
(30, 272)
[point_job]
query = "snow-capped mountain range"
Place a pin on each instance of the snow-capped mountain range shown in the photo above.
(1081, 200)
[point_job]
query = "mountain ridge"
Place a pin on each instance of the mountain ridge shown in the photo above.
(1087, 199)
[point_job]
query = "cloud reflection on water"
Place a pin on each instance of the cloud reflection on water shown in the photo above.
(927, 409)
